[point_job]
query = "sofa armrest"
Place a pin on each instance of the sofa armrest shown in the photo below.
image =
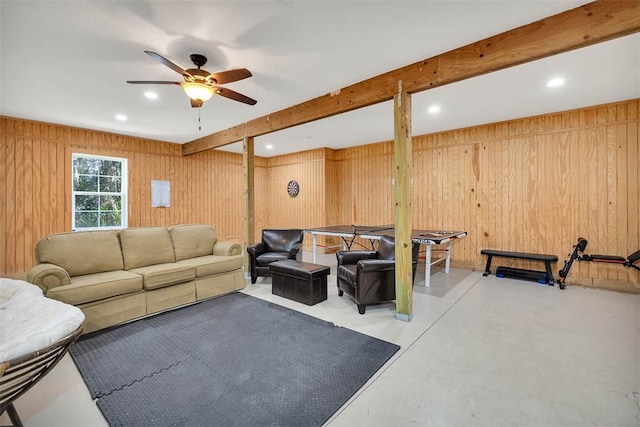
(227, 249)
(257, 249)
(352, 257)
(47, 276)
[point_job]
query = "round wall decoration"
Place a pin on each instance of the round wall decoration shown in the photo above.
(293, 188)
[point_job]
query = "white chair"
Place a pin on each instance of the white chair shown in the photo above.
(35, 333)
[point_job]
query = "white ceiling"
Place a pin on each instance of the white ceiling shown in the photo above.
(67, 62)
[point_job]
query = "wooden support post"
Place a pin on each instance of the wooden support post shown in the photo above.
(248, 232)
(403, 204)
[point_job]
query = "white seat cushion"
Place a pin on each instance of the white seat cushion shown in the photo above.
(29, 321)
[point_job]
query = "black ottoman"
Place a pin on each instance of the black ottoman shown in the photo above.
(299, 281)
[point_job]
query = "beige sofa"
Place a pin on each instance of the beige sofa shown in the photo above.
(116, 276)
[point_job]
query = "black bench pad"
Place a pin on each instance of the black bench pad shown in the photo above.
(520, 255)
(608, 258)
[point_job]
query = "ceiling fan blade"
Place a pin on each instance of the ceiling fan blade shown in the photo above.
(196, 103)
(231, 76)
(161, 59)
(152, 82)
(228, 93)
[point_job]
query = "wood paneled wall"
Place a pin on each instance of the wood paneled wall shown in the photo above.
(35, 183)
(532, 185)
(303, 211)
(529, 185)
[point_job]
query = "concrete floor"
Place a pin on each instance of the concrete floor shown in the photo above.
(479, 351)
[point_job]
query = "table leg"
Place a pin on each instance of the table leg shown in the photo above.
(427, 266)
(346, 246)
(447, 262)
(315, 248)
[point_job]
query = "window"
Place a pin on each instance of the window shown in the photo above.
(99, 192)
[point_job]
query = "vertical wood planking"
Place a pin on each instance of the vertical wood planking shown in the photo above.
(563, 170)
(5, 173)
(612, 194)
(621, 186)
(541, 182)
(633, 186)
(36, 185)
(20, 170)
(308, 208)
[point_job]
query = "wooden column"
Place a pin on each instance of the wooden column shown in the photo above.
(248, 224)
(403, 207)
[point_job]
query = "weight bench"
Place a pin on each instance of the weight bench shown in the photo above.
(632, 261)
(519, 273)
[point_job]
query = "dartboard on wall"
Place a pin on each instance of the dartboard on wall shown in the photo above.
(293, 188)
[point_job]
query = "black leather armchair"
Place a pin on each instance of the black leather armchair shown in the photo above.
(276, 245)
(369, 277)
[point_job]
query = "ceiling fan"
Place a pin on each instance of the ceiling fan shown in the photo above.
(200, 85)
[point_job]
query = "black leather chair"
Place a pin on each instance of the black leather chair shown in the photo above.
(276, 245)
(369, 277)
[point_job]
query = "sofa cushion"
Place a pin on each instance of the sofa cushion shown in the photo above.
(95, 287)
(29, 322)
(160, 275)
(83, 252)
(213, 264)
(145, 246)
(190, 241)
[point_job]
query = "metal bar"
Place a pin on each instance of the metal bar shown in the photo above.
(315, 247)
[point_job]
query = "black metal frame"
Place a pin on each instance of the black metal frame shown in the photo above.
(633, 260)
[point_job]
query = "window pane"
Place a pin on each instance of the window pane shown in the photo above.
(86, 219)
(110, 219)
(110, 168)
(86, 203)
(99, 192)
(85, 183)
(86, 165)
(110, 203)
(109, 184)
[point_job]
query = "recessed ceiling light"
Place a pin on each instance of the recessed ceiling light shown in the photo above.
(555, 82)
(151, 95)
(121, 117)
(268, 147)
(434, 109)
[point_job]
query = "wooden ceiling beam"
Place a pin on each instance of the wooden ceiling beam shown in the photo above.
(586, 25)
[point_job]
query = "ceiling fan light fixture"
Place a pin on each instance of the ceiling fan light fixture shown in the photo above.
(197, 91)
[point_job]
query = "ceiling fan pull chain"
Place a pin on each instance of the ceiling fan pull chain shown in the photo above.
(199, 123)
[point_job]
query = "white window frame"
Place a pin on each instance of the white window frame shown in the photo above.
(123, 192)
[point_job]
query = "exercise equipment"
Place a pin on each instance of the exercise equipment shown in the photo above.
(632, 260)
(525, 274)
(542, 277)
